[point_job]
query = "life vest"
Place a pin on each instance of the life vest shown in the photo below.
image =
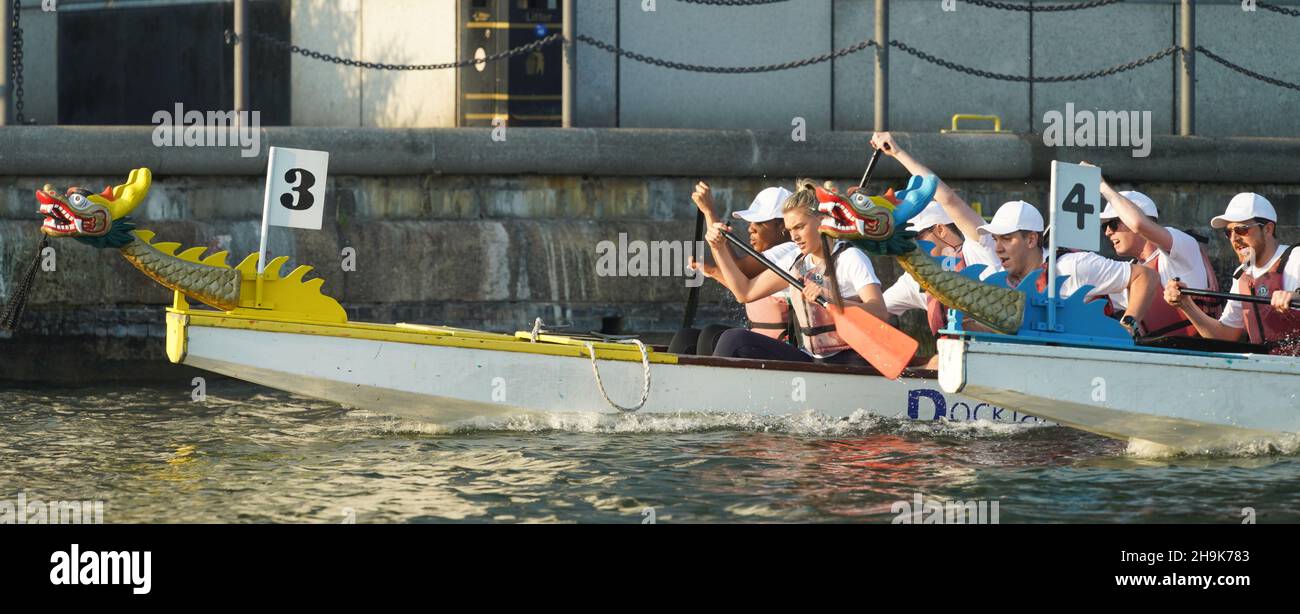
(1162, 320)
(816, 326)
(769, 316)
(1265, 325)
(935, 312)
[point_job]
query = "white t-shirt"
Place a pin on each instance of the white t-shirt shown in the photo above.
(853, 269)
(1183, 261)
(1232, 312)
(1106, 276)
(906, 293)
(783, 255)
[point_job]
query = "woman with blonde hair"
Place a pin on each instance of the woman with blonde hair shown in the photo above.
(857, 285)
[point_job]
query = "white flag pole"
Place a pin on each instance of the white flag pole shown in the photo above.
(266, 214)
(1051, 256)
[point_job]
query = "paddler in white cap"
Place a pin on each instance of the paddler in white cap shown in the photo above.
(1019, 237)
(1268, 269)
(768, 316)
(1131, 222)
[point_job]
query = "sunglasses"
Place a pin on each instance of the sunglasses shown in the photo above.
(1111, 225)
(1240, 231)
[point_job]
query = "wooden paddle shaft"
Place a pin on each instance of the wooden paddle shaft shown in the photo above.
(1263, 300)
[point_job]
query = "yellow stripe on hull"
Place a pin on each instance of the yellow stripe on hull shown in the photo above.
(552, 345)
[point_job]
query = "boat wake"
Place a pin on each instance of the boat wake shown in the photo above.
(808, 423)
(1285, 444)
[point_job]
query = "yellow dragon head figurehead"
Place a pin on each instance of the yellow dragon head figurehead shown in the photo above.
(97, 219)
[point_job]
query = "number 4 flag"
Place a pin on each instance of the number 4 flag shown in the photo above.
(1076, 206)
(295, 192)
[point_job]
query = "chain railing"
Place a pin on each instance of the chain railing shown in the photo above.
(1104, 72)
(16, 59)
(1278, 9)
(726, 70)
(232, 38)
(1246, 71)
(1042, 8)
(732, 2)
(764, 68)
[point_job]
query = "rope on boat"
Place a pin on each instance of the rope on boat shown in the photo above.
(645, 387)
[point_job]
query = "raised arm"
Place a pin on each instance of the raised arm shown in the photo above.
(1135, 219)
(967, 220)
(745, 289)
(703, 199)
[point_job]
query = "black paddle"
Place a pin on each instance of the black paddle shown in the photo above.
(1263, 300)
(826, 244)
(693, 295)
(871, 167)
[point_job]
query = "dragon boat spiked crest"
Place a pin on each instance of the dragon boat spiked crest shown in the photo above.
(102, 221)
(876, 224)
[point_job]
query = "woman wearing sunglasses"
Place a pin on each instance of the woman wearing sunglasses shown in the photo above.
(1268, 269)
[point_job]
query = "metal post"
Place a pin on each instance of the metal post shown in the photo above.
(6, 39)
(882, 65)
(566, 76)
(241, 59)
(1186, 76)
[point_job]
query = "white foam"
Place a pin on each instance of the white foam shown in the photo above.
(807, 423)
(1285, 444)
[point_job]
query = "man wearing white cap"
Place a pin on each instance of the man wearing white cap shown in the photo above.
(934, 225)
(1019, 235)
(1268, 269)
(770, 315)
(1017, 231)
(1131, 223)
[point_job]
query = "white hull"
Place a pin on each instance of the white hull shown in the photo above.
(1184, 401)
(447, 384)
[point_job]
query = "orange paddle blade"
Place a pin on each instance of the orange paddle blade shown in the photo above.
(888, 349)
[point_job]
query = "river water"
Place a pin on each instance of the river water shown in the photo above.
(249, 454)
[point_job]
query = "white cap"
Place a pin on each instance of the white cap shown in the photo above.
(1013, 216)
(1245, 207)
(1143, 202)
(766, 206)
(932, 215)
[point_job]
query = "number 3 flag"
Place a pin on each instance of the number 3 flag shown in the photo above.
(295, 188)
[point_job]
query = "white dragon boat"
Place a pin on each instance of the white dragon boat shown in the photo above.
(281, 331)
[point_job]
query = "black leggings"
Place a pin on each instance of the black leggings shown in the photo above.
(697, 341)
(739, 343)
